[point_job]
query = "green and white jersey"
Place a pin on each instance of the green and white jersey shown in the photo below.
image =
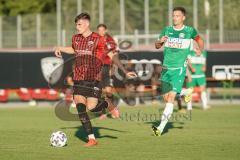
(178, 45)
(197, 63)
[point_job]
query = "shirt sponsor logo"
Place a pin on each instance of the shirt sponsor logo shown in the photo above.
(174, 42)
(90, 43)
(178, 43)
(77, 42)
(197, 59)
(84, 52)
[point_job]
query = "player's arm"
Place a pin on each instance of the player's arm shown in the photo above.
(68, 50)
(196, 37)
(160, 43)
(113, 54)
(59, 50)
(115, 59)
(200, 42)
(189, 76)
(204, 68)
(161, 40)
(190, 66)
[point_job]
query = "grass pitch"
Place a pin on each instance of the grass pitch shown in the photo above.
(211, 134)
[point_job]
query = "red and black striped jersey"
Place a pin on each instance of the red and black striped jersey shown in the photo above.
(89, 56)
(110, 45)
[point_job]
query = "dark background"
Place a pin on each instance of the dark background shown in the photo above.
(19, 69)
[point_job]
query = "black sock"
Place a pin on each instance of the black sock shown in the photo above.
(84, 118)
(101, 106)
(179, 101)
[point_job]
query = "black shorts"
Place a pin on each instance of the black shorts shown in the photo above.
(106, 75)
(87, 88)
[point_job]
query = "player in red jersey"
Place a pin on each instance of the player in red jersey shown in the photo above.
(106, 82)
(89, 50)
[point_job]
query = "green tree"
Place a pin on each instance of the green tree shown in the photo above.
(15, 7)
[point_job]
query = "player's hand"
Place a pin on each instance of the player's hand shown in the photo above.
(193, 70)
(131, 75)
(58, 52)
(163, 39)
(159, 43)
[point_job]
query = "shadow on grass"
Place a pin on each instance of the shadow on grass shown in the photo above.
(170, 125)
(81, 134)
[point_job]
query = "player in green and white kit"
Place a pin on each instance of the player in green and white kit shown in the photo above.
(198, 78)
(177, 41)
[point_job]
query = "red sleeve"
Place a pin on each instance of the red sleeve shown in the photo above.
(100, 49)
(110, 44)
(197, 38)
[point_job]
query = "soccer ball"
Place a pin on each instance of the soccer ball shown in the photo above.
(58, 139)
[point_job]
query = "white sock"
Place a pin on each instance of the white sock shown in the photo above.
(91, 136)
(189, 105)
(165, 116)
(204, 99)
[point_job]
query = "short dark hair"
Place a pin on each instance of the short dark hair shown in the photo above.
(83, 15)
(182, 9)
(102, 25)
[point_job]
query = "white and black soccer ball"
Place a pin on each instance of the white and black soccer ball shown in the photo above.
(58, 139)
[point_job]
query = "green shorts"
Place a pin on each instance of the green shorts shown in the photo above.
(174, 76)
(197, 82)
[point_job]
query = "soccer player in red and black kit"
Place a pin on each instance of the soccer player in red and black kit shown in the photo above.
(109, 45)
(89, 50)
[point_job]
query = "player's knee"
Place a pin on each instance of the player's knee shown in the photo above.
(170, 98)
(76, 101)
(108, 90)
(100, 106)
(91, 106)
(203, 88)
(79, 99)
(91, 103)
(165, 98)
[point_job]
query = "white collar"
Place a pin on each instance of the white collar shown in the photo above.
(179, 28)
